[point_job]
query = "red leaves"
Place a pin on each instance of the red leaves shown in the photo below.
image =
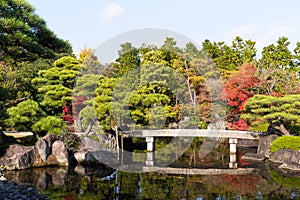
(68, 118)
(238, 89)
(240, 125)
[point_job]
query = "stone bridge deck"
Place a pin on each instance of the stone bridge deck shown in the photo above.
(193, 133)
(232, 135)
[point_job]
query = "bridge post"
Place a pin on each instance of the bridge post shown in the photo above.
(150, 159)
(232, 145)
(232, 151)
(150, 144)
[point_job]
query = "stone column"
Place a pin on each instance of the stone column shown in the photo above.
(232, 145)
(150, 144)
(150, 159)
(232, 151)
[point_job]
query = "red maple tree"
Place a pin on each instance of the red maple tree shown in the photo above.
(238, 89)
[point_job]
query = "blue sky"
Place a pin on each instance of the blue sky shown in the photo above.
(89, 23)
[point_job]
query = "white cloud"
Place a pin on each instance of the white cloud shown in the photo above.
(112, 12)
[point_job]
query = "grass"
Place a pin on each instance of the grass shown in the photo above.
(286, 142)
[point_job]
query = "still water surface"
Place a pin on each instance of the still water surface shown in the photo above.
(250, 181)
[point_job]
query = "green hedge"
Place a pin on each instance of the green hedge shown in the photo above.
(286, 142)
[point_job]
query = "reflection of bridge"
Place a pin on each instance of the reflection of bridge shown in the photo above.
(195, 171)
(232, 135)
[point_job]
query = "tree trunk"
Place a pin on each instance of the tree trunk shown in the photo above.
(282, 129)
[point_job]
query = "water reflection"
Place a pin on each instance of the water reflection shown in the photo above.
(252, 181)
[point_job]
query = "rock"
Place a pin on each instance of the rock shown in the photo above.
(51, 138)
(96, 158)
(59, 155)
(18, 157)
(79, 169)
(285, 156)
(43, 148)
(80, 157)
(102, 157)
(38, 161)
(11, 190)
(95, 171)
(59, 177)
(43, 181)
(92, 144)
(253, 157)
(290, 166)
(264, 145)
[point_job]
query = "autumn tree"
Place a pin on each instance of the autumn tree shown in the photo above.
(239, 87)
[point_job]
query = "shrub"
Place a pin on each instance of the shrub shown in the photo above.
(261, 127)
(286, 142)
(49, 124)
(70, 140)
(24, 115)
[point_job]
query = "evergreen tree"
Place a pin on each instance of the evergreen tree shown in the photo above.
(283, 110)
(24, 36)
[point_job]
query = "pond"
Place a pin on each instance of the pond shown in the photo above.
(188, 177)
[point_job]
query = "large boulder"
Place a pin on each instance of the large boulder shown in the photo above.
(91, 144)
(43, 149)
(18, 157)
(80, 156)
(285, 156)
(102, 157)
(59, 155)
(96, 158)
(290, 166)
(51, 138)
(264, 145)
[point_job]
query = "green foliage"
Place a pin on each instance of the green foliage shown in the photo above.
(283, 109)
(103, 99)
(70, 140)
(259, 127)
(286, 142)
(49, 125)
(128, 59)
(228, 58)
(25, 36)
(86, 85)
(55, 85)
(285, 181)
(277, 56)
(88, 116)
(24, 115)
